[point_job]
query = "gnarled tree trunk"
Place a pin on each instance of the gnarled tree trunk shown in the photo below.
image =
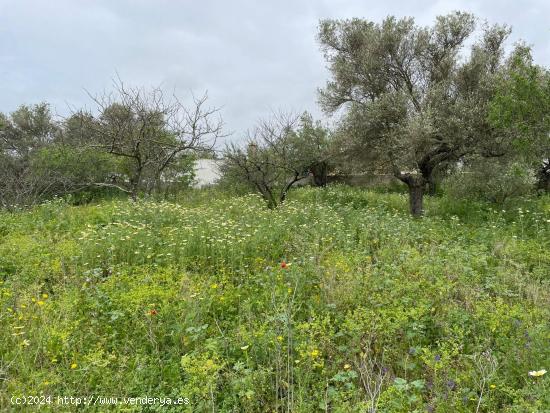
(543, 177)
(417, 187)
(319, 171)
(416, 197)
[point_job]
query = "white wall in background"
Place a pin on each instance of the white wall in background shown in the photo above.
(207, 172)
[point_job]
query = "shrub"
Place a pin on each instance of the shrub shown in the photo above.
(492, 181)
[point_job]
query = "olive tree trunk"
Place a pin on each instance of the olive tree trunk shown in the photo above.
(416, 199)
(417, 188)
(319, 172)
(543, 177)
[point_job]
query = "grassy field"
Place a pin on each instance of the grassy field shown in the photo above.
(337, 301)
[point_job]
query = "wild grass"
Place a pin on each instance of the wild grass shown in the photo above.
(372, 309)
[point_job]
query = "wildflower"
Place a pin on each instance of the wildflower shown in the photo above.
(347, 366)
(44, 295)
(74, 366)
(26, 342)
(314, 353)
(152, 311)
(244, 348)
(214, 286)
(492, 386)
(537, 373)
(284, 265)
(40, 302)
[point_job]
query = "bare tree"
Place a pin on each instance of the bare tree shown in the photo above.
(272, 162)
(149, 131)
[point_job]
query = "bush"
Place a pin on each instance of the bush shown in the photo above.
(492, 181)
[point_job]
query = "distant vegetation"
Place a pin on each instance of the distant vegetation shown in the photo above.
(411, 103)
(139, 142)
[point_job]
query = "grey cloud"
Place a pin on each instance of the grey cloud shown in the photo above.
(251, 56)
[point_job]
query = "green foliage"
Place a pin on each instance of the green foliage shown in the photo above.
(413, 103)
(280, 152)
(22, 134)
(522, 106)
(522, 103)
(193, 300)
(492, 181)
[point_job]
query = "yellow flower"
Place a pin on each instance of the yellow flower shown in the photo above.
(537, 373)
(40, 302)
(314, 353)
(44, 295)
(492, 386)
(347, 366)
(74, 366)
(280, 338)
(214, 286)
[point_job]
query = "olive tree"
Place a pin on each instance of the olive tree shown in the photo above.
(522, 105)
(24, 133)
(313, 144)
(412, 102)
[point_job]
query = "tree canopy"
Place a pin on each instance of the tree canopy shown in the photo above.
(412, 101)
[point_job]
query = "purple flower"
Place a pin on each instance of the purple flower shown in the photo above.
(451, 384)
(437, 357)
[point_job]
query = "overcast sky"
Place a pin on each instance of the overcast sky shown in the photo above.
(251, 56)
